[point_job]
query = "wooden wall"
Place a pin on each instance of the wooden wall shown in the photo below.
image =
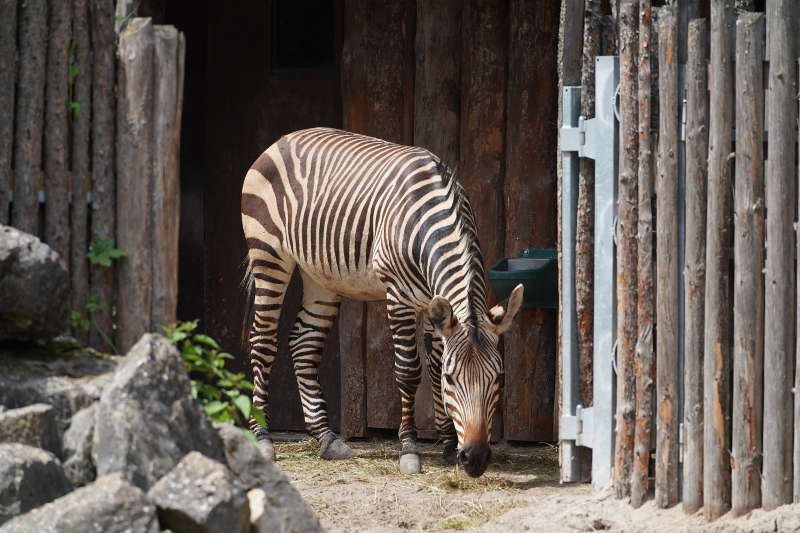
(474, 81)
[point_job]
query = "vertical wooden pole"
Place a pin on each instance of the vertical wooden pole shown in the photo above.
(103, 182)
(626, 249)
(134, 175)
(30, 114)
(796, 480)
(166, 182)
(718, 320)
(748, 258)
(8, 65)
(666, 263)
(781, 184)
(584, 239)
(695, 262)
(81, 95)
(529, 212)
(56, 148)
(644, 357)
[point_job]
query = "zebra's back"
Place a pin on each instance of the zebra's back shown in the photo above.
(341, 205)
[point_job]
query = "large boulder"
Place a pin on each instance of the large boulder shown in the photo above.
(109, 505)
(78, 464)
(34, 425)
(203, 496)
(29, 477)
(275, 505)
(34, 288)
(147, 420)
(32, 374)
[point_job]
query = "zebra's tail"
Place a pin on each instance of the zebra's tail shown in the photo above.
(249, 286)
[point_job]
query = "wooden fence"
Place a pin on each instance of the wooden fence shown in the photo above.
(725, 419)
(89, 143)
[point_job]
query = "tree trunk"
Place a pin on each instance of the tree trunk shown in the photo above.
(694, 297)
(626, 250)
(748, 256)
(644, 357)
(103, 182)
(718, 319)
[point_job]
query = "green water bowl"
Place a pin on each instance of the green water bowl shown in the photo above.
(536, 269)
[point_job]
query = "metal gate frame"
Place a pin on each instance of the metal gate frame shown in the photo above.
(595, 138)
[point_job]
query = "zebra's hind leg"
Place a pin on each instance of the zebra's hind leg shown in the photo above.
(407, 373)
(306, 343)
(444, 425)
(270, 276)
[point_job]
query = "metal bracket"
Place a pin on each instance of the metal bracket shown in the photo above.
(579, 428)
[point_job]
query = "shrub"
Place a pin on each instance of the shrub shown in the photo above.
(224, 395)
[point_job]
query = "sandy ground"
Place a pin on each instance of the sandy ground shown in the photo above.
(519, 492)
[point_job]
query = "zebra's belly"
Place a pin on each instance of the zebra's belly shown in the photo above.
(362, 286)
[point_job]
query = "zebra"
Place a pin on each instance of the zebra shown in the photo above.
(367, 219)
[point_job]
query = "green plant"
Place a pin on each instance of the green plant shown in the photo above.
(102, 252)
(224, 395)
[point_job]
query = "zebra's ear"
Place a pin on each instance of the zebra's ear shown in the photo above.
(500, 318)
(440, 313)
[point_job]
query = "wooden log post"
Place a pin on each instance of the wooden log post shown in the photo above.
(437, 116)
(626, 249)
(8, 65)
(134, 179)
(80, 116)
(645, 301)
(796, 479)
(667, 264)
(781, 183)
(718, 320)
(530, 214)
(695, 262)
(584, 230)
(748, 257)
(103, 179)
(165, 200)
(29, 115)
(56, 134)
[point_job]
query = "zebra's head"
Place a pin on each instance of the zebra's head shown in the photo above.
(472, 374)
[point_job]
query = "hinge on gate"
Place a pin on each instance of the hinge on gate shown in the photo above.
(573, 137)
(680, 443)
(579, 427)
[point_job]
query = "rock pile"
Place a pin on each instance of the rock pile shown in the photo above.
(115, 444)
(126, 448)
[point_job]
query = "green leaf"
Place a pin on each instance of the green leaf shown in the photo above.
(76, 108)
(215, 407)
(101, 252)
(74, 70)
(244, 405)
(94, 305)
(205, 339)
(258, 416)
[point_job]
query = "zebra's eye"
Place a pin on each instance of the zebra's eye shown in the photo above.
(449, 380)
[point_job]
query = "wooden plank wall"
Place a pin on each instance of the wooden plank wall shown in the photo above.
(62, 119)
(483, 95)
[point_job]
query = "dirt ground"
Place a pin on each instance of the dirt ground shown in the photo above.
(519, 492)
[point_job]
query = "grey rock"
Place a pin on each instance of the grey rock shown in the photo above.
(77, 446)
(109, 505)
(147, 420)
(29, 477)
(33, 288)
(30, 374)
(203, 496)
(34, 425)
(275, 505)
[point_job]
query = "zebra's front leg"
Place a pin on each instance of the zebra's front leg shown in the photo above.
(306, 343)
(444, 425)
(407, 371)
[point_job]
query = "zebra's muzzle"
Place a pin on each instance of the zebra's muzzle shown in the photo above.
(475, 459)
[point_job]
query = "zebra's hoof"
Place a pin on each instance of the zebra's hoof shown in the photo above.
(267, 449)
(449, 455)
(409, 463)
(336, 449)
